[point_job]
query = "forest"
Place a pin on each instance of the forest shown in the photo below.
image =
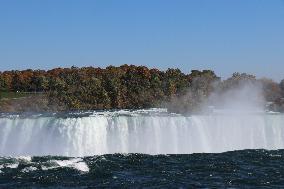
(123, 87)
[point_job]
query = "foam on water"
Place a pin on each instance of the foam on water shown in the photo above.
(76, 163)
(29, 169)
(12, 165)
(52, 163)
(24, 158)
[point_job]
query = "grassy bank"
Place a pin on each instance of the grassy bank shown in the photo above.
(13, 95)
(23, 102)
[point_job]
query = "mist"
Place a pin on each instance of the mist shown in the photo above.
(246, 97)
(239, 94)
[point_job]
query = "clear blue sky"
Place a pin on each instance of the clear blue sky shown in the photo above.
(223, 35)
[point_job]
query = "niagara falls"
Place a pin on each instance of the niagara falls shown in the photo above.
(141, 94)
(132, 132)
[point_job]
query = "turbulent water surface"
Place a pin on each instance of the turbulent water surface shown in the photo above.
(128, 149)
(238, 169)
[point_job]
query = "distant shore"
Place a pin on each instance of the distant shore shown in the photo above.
(123, 87)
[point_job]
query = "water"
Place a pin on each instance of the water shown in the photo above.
(100, 133)
(128, 149)
(238, 169)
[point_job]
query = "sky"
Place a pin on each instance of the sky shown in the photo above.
(226, 36)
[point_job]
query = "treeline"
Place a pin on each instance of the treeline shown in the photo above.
(96, 88)
(127, 86)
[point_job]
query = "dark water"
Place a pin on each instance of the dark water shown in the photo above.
(238, 169)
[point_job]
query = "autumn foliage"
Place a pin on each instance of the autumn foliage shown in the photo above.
(127, 86)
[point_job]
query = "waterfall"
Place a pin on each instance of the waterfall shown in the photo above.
(100, 134)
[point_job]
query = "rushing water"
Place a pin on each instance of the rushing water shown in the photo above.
(99, 149)
(132, 132)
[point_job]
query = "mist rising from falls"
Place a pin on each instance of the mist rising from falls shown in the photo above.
(139, 134)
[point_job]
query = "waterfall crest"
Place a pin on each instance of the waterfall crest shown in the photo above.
(100, 134)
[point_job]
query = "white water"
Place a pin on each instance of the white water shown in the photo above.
(139, 134)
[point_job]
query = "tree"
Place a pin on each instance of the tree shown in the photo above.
(39, 83)
(3, 84)
(271, 89)
(282, 85)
